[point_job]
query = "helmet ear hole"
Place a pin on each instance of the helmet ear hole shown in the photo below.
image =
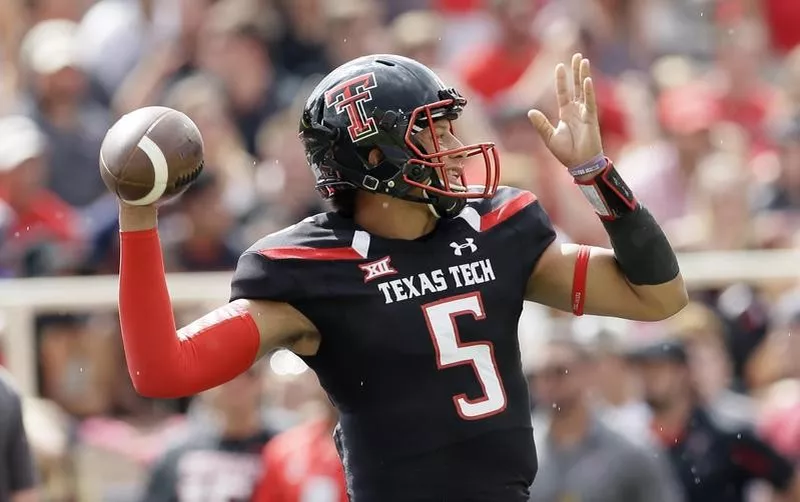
(375, 157)
(416, 173)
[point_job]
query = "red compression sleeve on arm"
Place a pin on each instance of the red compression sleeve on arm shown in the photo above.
(165, 363)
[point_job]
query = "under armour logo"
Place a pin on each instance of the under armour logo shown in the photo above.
(469, 244)
(378, 268)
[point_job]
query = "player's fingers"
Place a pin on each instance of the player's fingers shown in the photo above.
(542, 125)
(562, 89)
(589, 96)
(584, 71)
(577, 78)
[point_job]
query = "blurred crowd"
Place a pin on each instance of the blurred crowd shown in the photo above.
(699, 104)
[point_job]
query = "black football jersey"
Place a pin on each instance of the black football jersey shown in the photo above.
(419, 349)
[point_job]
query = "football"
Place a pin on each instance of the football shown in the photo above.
(151, 155)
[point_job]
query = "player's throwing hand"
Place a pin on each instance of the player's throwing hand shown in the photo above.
(575, 140)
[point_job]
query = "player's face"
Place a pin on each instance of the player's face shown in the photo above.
(442, 134)
(560, 381)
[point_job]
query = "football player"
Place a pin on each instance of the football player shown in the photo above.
(405, 299)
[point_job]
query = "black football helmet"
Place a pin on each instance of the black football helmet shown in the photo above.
(381, 101)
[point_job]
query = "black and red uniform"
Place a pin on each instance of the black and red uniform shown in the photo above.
(419, 346)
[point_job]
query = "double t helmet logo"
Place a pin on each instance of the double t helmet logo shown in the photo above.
(349, 97)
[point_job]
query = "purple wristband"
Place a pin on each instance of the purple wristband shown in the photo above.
(591, 166)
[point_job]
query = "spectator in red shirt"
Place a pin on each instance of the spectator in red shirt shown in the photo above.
(303, 465)
(780, 17)
(490, 71)
(744, 97)
(34, 222)
(458, 6)
(780, 422)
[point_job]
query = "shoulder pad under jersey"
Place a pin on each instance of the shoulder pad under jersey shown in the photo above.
(314, 238)
(277, 266)
(485, 214)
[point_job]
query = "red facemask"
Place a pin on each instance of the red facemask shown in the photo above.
(482, 188)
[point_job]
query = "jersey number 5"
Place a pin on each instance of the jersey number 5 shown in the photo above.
(451, 351)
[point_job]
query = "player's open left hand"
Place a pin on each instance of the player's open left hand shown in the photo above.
(576, 137)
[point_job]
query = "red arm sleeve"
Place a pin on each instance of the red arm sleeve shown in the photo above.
(164, 363)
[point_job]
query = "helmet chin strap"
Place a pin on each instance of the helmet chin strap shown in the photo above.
(431, 207)
(442, 206)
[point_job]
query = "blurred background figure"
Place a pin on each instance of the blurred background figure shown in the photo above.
(614, 386)
(18, 480)
(209, 238)
(580, 458)
(40, 233)
(302, 464)
(218, 457)
(115, 34)
(60, 103)
(781, 192)
(714, 457)
(709, 348)
(779, 423)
